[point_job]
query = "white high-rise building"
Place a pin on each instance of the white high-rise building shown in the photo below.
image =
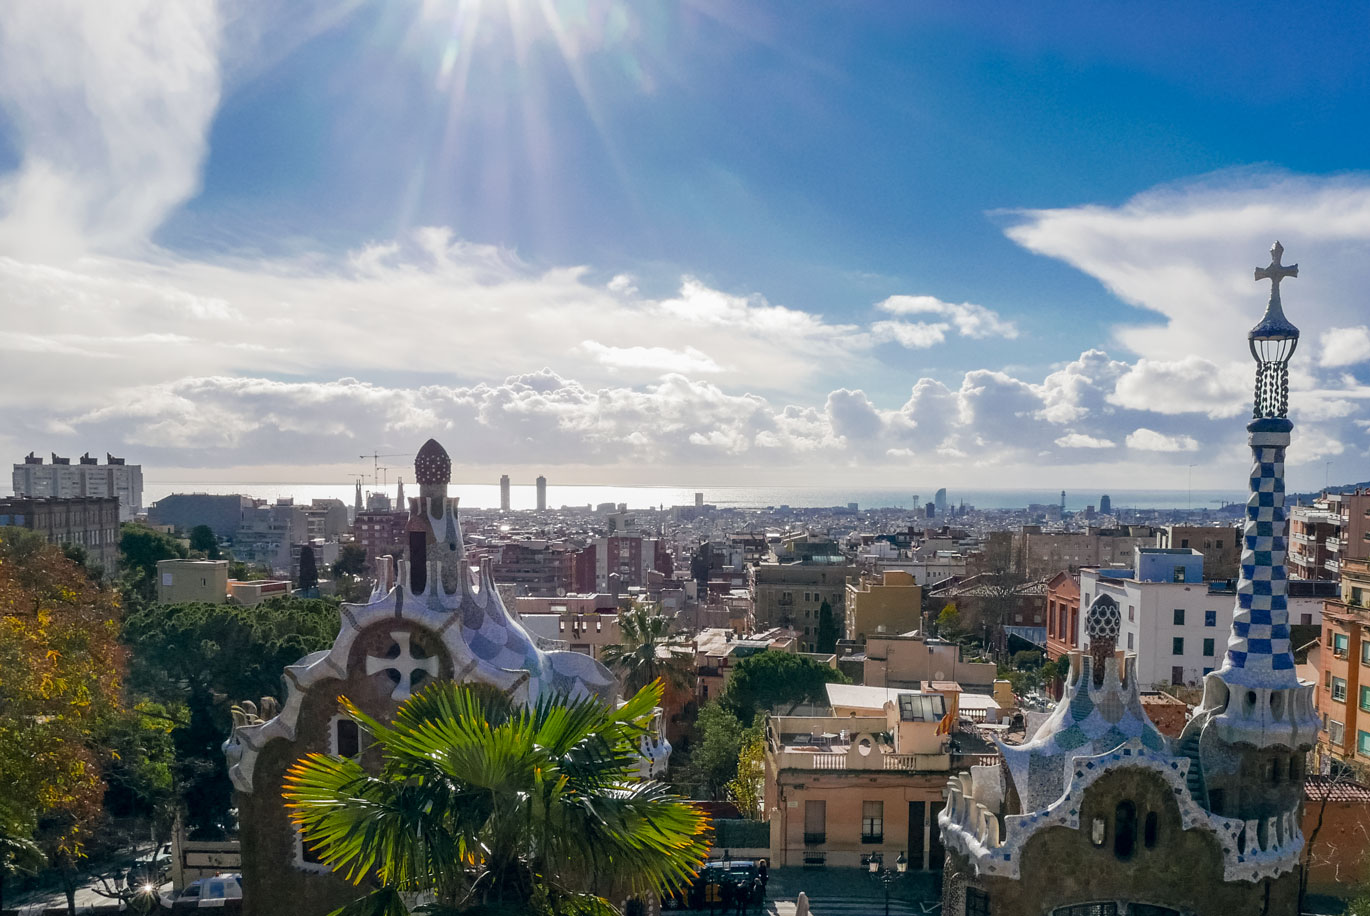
(64, 480)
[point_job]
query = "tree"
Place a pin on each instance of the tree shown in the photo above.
(202, 540)
(746, 789)
(140, 548)
(18, 856)
(200, 659)
(949, 623)
(482, 806)
(309, 571)
(714, 757)
(770, 680)
(647, 650)
(62, 667)
(351, 561)
(349, 571)
(827, 628)
(1027, 659)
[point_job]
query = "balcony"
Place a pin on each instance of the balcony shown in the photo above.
(1334, 545)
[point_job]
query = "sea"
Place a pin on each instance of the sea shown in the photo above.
(486, 496)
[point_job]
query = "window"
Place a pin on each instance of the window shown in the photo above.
(1365, 698)
(347, 739)
(977, 902)
(1129, 640)
(1108, 908)
(1177, 675)
(1177, 645)
(1210, 618)
(1363, 743)
(1218, 543)
(1208, 648)
(1338, 690)
(1207, 672)
(1179, 617)
(1150, 830)
(1336, 732)
(1339, 644)
(1124, 829)
(1179, 574)
(815, 822)
(1364, 651)
(873, 822)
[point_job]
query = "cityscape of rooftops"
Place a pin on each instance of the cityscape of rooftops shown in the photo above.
(581, 456)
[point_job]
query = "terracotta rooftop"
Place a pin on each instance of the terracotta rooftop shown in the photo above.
(1317, 787)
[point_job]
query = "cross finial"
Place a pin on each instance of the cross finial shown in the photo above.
(1276, 271)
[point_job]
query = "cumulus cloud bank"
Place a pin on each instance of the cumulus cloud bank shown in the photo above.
(239, 360)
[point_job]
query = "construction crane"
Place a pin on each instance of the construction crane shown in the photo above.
(378, 467)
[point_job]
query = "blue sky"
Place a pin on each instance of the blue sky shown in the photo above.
(699, 242)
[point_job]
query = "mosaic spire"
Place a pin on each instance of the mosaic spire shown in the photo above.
(1258, 650)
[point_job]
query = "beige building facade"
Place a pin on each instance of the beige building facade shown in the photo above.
(184, 581)
(841, 788)
(889, 603)
(909, 660)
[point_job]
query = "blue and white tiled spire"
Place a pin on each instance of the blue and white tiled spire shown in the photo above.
(1258, 650)
(1259, 699)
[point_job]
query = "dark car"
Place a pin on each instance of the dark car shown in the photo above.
(740, 875)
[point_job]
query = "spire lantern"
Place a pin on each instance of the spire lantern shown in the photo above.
(1273, 342)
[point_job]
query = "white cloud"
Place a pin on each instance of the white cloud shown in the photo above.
(969, 319)
(1188, 385)
(914, 335)
(1345, 346)
(1080, 440)
(111, 103)
(1149, 440)
(658, 359)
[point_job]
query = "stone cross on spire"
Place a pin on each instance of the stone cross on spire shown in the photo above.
(1276, 271)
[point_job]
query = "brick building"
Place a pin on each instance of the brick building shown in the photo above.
(379, 533)
(1063, 614)
(92, 522)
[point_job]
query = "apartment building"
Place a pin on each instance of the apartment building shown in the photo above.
(1172, 620)
(889, 603)
(843, 787)
(1343, 697)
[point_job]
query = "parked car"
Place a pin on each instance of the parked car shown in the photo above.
(215, 891)
(154, 870)
(742, 875)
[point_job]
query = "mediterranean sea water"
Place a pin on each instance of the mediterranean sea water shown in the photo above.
(524, 496)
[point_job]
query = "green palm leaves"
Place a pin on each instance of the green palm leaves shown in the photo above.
(468, 801)
(647, 651)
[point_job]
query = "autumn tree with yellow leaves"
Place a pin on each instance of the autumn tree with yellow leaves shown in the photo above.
(60, 669)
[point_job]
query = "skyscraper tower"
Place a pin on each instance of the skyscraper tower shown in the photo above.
(940, 500)
(504, 493)
(542, 493)
(1063, 500)
(1105, 505)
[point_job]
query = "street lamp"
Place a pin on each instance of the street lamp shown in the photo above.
(875, 864)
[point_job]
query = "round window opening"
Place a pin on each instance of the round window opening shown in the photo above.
(864, 746)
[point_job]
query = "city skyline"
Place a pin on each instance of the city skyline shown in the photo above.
(679, 245)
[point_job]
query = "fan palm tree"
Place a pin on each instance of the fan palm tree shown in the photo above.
(480, 805)
(647, 650)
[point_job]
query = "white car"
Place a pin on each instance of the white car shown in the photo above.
(213, 891)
